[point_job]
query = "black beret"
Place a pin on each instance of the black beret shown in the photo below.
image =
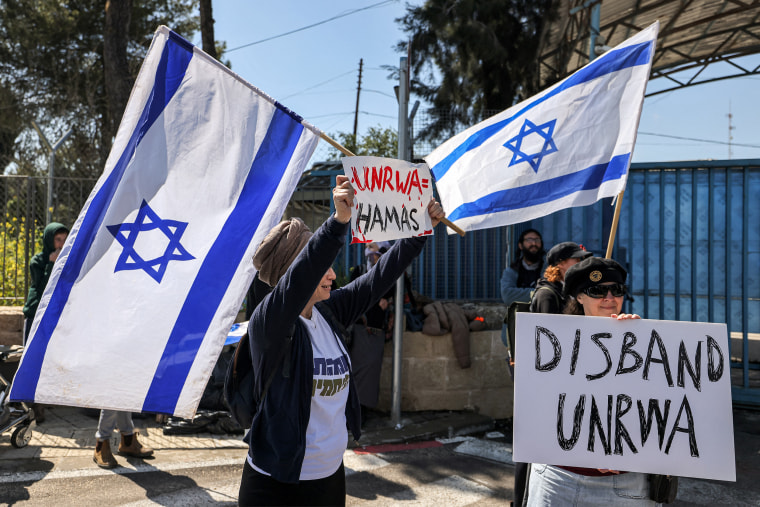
(592, 271)
(566, 250)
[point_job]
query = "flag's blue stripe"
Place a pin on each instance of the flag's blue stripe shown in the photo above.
(610, 62)
(544, 191)
(169, 75)
(221, 263)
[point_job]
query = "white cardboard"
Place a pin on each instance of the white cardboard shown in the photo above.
(702, 448)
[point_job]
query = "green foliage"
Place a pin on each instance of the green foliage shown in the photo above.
(52, 70)
(472, 57)
(13, 258)
(377, 142)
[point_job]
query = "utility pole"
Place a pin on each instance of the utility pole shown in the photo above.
(730, 128)
(398, 330)
(356, 112)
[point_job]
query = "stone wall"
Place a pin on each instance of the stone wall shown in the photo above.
(432, 379)
(11, 325)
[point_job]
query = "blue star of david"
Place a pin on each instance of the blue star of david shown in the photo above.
(546, 130)
(147, 220)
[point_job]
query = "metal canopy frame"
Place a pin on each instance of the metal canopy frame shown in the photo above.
(694, 34)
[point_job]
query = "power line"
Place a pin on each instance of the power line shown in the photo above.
(699, 140)
(319, 84)
(338, 16)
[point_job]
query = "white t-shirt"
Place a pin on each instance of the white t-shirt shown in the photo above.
(326, 433)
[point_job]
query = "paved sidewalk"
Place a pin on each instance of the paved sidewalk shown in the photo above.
(66, 439)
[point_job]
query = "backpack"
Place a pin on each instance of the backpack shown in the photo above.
(239, 379)
(509, 321)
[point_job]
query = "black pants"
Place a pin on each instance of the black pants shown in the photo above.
(521, 482)
(259, 489)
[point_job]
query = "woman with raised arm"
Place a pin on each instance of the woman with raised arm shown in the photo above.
(298, 435)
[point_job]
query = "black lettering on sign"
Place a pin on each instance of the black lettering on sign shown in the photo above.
(621, 433)
(557, 349)
(688, 429)
(576, 348)
(629, 340)
(391, 215)
(663, 360)
(645, 421)
(565, 443)
(377, 217)
(416, 226)
(360, 217)
(596, 339)
(683, 362)
(713, 373)
(596, 423)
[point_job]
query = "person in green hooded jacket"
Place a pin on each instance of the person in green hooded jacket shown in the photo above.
(40, 268)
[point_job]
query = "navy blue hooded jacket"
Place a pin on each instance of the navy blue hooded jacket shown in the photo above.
(277, 438)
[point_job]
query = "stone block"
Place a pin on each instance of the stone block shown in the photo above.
(441, 346)
(480, 344)
(437, 400)
(415, 345)
(464, 378)
(497, 403)
(425, 374)
(496, 374)
(11, 337)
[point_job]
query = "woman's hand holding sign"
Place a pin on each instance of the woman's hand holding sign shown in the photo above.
(343, 197)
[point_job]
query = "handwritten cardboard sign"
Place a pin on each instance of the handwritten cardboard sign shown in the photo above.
(649, 396)
(391, 198)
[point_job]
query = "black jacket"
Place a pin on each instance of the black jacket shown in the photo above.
(548, 297)
(277, 438)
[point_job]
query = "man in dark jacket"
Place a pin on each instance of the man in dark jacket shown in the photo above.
(519, 278)
(40, 268)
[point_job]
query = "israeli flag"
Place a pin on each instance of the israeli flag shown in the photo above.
(570, 145)
(156, 267)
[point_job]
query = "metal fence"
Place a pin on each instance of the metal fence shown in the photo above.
(689, 235)
(24, 214)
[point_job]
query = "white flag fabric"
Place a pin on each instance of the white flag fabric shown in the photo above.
(570, 145)
(155, 269)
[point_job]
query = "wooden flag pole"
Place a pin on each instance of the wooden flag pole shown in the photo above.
(332, 142)
(615, 220)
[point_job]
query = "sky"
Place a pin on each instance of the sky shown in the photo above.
(306, 55)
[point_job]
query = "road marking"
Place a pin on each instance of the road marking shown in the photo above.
(120, 470)
(494, 451)
(361, 462)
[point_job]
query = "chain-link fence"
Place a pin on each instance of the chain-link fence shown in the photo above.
(24, 201)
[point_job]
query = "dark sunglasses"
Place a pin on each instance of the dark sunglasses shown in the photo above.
(600, 291)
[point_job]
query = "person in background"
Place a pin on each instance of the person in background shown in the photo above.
(40, 267)
(594, 287)
(520, 277)
(298, 435)
(128, 446)
(548, 297)
(368, 336)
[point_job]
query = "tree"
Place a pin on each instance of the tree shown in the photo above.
(71, 64)
(470, 58)
(377, 142)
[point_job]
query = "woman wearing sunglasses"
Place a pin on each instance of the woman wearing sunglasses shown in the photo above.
(594, 287)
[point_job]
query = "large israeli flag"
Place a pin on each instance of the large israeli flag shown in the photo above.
(570, 145)
(155, 269)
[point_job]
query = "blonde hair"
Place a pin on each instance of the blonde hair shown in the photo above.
(553, 274)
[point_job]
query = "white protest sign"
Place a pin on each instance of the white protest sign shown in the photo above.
(649, 396)
(391, 198)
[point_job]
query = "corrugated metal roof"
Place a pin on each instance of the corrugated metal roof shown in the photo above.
(693, 34)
